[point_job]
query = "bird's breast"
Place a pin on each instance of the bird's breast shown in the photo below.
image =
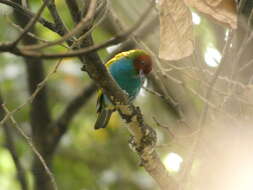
(126, 76)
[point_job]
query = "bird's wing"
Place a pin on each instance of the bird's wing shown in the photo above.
(108, 63)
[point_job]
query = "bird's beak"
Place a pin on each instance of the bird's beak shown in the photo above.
(142, 75)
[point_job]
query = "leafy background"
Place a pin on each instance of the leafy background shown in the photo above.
(89, 159)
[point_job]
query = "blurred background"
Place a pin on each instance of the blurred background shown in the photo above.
(173, 102)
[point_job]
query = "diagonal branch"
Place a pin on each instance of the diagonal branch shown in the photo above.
(40, 116)
(75, 31)
(144, 137)
(30, 24)
(12, 148)
(74, 10)
(60, 125)
(83, 51)
(30, 143)
(32, 35)
(34, 94)
(203, 117)
(57, 19)
(28, 14)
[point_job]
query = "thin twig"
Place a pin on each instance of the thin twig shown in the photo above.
(72, 33)
(164, 127)
(167, 99)
(12, 148)
(115, 40)
(206, 71)
(245, 66)
(104, 12)
(206, 84)
(32, 35)
(34, 94)
(60, 125)
(30, 143)
(196, 142)
(30, 24)
(29, 14)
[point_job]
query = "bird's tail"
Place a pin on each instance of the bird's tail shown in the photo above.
(103, 118)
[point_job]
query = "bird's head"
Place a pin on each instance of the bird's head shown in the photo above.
(142, 61)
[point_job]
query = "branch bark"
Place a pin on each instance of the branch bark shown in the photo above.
(39, 113)
(144, 137)
(57, 19)
(29, 15)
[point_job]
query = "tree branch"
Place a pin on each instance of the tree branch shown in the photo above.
(83, 51)
(74, 10)
(28, 14)
(60, 125)
(12, 148)
(30, 143)
(40, 116)
(79, 27)
(203, 117)
(29, 25)
(144, 137)
(57, 19)
(20, 29)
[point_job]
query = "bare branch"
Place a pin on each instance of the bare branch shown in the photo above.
(10, 144)
(164, 127)
(33, 95)
(30, 143)
(72, 33)
(214, 79)
(167, 99)
(32, 35)
(83, 51)
(12, 148)
(246, 66)
(57, 19)
(196, 142)
(60, 125)
(144, 137)
(29, 14)
(30, 24)
(74, 10)
(102, 10)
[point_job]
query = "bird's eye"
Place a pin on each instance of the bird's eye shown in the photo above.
(142, 62)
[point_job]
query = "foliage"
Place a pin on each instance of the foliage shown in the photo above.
(187, 102)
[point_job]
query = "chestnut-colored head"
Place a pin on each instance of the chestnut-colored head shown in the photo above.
(142, 61)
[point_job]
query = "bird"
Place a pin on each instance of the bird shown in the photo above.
(129, 70)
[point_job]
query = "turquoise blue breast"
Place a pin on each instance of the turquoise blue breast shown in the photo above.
(125, 74)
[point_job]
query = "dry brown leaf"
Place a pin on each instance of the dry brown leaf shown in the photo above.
(223, 11)
(176, 30)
